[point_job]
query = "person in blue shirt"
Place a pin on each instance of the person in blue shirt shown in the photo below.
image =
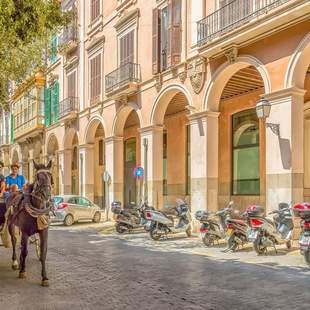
(15, 179)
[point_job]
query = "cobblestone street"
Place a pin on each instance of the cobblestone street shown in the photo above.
(92, 271)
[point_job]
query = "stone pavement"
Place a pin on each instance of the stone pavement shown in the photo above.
(92, 271)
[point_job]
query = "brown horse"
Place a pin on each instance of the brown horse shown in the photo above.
(27, 207)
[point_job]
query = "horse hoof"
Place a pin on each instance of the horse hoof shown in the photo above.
(15, 266)
(23, 275)
(45, 283)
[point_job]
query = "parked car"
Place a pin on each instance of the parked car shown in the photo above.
(71, 208)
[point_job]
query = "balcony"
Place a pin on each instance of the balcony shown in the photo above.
(68, 40)
(123, 81)
(28, 127)
(244, 20)
(68, 108)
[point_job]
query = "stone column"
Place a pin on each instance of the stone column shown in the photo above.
(154, 165)
(65, 157)
(114, 154)
(31, 166)
(87, 170)
(284, 152)
(204, 161)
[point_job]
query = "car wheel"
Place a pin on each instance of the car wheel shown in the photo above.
(68, 220)
(97, 217)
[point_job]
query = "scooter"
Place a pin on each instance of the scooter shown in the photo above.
(303, 212)
(271, 233)
(163, 225)
(213, 229)
(236, 233)
(131, 218)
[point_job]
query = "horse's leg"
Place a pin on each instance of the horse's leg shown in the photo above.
(11, 228)
(43, 248)
(23, 255)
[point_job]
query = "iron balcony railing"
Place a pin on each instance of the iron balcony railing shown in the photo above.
(67, 4)
(68, 105)
(69, 34)
(231, 16)
(127, 73)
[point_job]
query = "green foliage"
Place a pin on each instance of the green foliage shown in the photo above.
(26, 29)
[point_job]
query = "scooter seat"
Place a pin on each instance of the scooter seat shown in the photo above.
(240, 222)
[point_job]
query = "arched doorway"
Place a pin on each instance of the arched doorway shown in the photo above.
(52, 154)
(132, 191)
(75, 189)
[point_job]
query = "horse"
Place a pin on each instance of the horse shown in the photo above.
(27, 208)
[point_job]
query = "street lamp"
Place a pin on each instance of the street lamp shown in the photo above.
(263, 108)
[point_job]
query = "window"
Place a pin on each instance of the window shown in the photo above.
(167, 36)
(54, 43)
(95, 79)
(71, 84)
(246, 179)
(165, 182)
(126, 44)
(83, 201)
(95, 9)
(51, 100)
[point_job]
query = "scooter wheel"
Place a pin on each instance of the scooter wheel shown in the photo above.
(289, 244)
(120, 229)
(307, 257)
(258, 247)
(189, 232)
(208, 240)
(154, 234)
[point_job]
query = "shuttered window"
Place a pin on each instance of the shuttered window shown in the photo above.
(72, 84)
(54, 102)
(127, 48)
(53, 54)
(47, 112)
(95, 9)
(167, 36)
(95, 79)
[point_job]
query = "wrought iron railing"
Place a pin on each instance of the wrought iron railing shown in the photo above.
(67, 106)
(67, 4)
(231, 16)
(127, 73)
(69, 34)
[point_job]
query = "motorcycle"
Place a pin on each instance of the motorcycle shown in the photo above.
(211, 229)
(303, 212)
(131, 218)
(162, 224)
(265, 232)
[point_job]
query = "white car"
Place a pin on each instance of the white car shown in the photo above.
(72, 208)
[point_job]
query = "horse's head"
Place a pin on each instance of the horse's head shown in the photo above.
(43, 179)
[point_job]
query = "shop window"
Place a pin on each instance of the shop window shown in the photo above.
(165, 182)
(246, 174)
(100, 153)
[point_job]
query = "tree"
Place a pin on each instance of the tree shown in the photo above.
(26, 28)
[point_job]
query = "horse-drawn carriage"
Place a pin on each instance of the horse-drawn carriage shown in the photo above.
(26, 220)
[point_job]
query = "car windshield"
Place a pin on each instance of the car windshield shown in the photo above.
(57, 200)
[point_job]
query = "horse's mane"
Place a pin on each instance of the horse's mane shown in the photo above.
(40, 166)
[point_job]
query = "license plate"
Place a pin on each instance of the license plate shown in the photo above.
(252, 235)
(229, 232)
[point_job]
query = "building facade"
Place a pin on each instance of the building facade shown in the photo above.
(172, 86)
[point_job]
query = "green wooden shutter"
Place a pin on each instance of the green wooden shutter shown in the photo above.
(55, 102)
(47, 99)
(54, 42)
(12, 128)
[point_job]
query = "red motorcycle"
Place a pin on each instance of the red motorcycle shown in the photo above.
(302, 211)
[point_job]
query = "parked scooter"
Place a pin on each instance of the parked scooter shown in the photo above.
(236, 233)
(162, 224)
(131, 218)
(213, 229)
(303, 212)
(265, 232)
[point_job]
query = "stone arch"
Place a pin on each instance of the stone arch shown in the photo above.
(298, 64)
(121, 117)
(91, 128)
(222, 75)
(163, 99)
(68, 138)
(52, 144)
